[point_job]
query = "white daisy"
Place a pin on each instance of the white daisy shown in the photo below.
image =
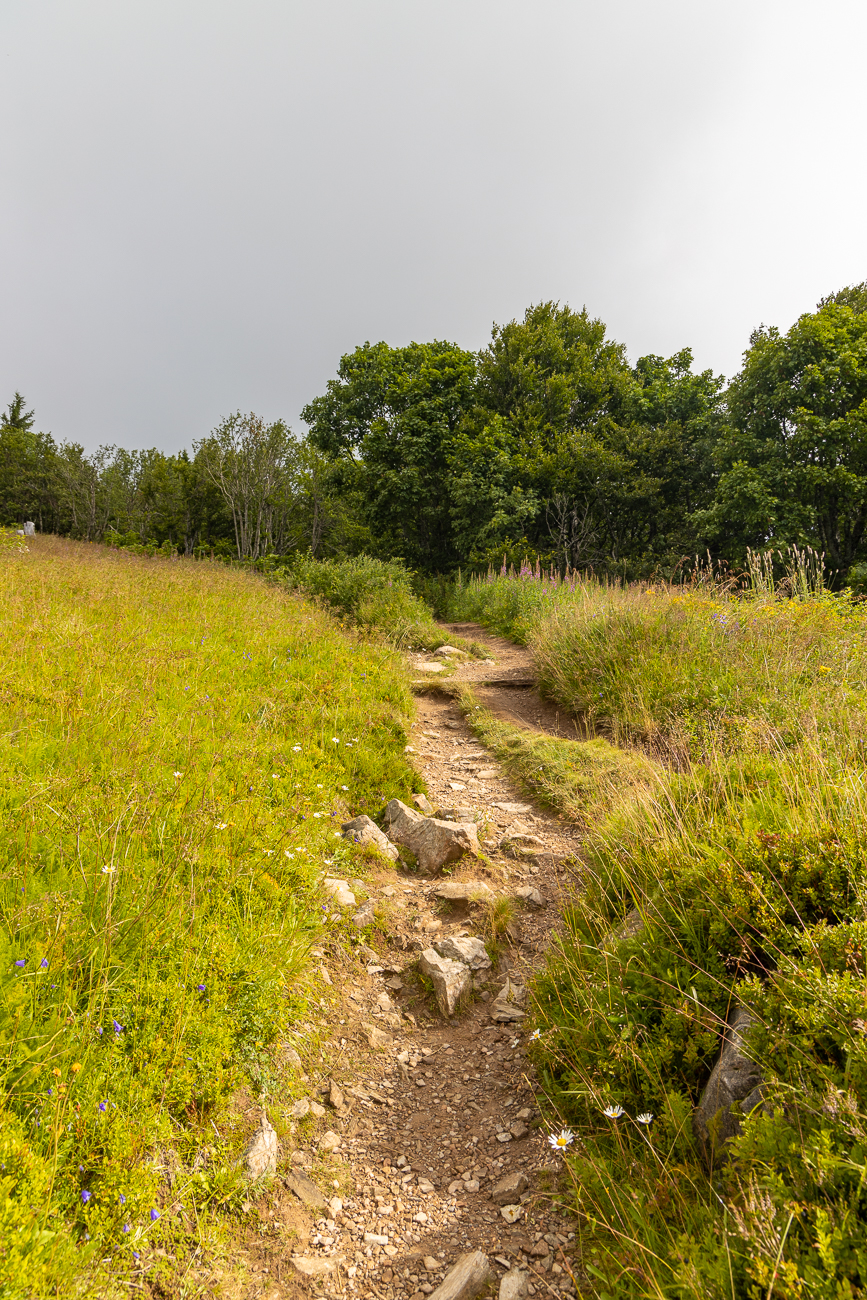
(613, 1112)
(536, 1035)
(560, 1141)
(646, 1118)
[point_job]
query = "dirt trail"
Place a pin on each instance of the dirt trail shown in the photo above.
(430, 1122)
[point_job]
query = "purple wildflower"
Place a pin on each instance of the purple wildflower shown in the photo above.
(126, 1227)
(43, 963)
(200, 988)
(85, 1196)
(155, 1214)
(103, 1106)
(118, 1029)
(22, 961)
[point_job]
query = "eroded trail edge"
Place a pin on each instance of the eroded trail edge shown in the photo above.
(421, 1138)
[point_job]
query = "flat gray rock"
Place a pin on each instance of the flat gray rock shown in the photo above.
(472, 952)
(467, 1277)
(463, 891)
(529, 894)
(508, 1190)
(306, 1190)
(513, 1285)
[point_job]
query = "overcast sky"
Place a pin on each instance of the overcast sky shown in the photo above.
(206, 202)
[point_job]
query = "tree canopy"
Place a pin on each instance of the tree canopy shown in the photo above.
(547, 443)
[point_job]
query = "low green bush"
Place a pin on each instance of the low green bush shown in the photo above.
(376, 595)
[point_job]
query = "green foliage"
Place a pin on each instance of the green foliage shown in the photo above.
(376, 595)
(585, 779)
(392, 415)
(794, 453)
(569, 454)
(179, 741)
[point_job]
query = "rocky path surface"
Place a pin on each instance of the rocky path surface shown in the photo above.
(420, 1140)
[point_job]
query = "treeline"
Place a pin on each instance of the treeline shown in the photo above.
(547, 444)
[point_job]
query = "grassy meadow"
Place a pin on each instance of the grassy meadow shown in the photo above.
(724, 866)
(179, 742)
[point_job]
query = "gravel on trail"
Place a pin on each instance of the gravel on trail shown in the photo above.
(429, 1142)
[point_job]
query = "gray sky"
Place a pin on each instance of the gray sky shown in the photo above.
(205, 203)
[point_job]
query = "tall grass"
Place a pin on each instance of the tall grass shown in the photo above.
(178, 742)
(736, 877)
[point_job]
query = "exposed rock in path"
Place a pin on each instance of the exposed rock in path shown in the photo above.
(260, 1153)
(508, 1003)
(472, 952)
(363, 830)
(450, 979)
(329, 1141)
(364, 916)
(530, 895)
(376, 1038)
(508, 1190)
(463, 891)
(465, 1279)
(435, 843)
(735, 1081)
(306, 1190)
(422, 802)
(316, 1266)
(513, 1285)
(339, 891)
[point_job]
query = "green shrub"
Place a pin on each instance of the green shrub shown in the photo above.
(376, 595)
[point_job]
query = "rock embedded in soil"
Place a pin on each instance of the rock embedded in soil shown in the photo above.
(735, 1081)
(316, 1266)
(363, 830)
(472, 952)
(260, 1153)
(529, 894)
(339, 891)
(422, 803)
(329, 1141)
(376, 1038)
(364, 916)
(513, 1285)
(450, 979)
(434, 843)
(508, 1003)
(463, 891)
(509, 1189)
(306, 1190)
(466, 1279)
